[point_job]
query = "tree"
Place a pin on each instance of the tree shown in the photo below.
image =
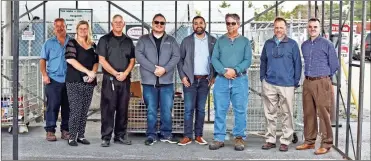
(250, 4)
(224, 5)
(198, 13)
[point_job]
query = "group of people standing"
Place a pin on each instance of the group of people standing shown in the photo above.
(69, 67)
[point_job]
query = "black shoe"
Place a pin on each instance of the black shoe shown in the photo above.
(72, 143)
(170, 140)
(149, 141)
(122, 141)
(83, 141)
(105, 143)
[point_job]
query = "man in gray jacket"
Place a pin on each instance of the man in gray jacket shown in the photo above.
(158, 54)
(197, 75)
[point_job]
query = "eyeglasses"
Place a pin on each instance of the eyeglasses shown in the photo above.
(231, 23)
(158, 22)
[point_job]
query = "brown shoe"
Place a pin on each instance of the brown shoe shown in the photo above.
(50, 136)
(185, 141)
(200, 140)
(305, 147)
(267, 146)
(65, 135)
(284, 147)
(321, 151)
(239, 144)
(215, 145)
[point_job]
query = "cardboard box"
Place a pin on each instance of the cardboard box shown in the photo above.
(135, 89)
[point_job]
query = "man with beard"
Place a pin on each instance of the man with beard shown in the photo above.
(280, 71)
(231, 58)
(116, 55)
(321, 63)
(158, 54)
(54, 75)
(197, 76)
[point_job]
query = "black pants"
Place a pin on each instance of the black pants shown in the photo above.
(56, 97)
(79, 97)
(114, 100)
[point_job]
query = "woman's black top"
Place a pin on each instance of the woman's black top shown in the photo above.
(86, 57)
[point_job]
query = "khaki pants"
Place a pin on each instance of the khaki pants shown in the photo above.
(318, 99)
(275, 97)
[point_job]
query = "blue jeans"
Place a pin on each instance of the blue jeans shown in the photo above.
(155, 97)
(56, 97)
(195, 99)
(226, 91)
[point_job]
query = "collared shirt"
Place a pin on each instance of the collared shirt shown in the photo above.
(277, 40)
(53, 52)
(118, 50)
(320, 57)
(201, 57)
(236, 54)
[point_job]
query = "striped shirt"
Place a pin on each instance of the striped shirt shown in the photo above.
(320, 57)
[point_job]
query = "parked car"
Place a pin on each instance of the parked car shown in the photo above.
(357, 50)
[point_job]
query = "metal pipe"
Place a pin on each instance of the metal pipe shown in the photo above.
(276, 8)
(243, 17)
(323, 18)
(44, 22)
(209, 97)
(361, 84)
(309, 9)
(261, 13)
(15, 53)
(315, 9)
(338, 73)
(176, 20)
(349, 78)
(176, 34)
(143, 17)
(109, 17)
(128, 13)
(77, 4)
(26, 13)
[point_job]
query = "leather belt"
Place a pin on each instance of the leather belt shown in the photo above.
(201, 76)
(316, 78)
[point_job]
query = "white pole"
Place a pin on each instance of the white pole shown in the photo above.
(7, 30)
(1, 57)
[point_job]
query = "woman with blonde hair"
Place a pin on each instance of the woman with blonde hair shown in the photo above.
(82, 66)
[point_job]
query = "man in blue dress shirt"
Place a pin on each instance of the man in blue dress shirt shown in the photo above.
(321, 63)
(53, 68)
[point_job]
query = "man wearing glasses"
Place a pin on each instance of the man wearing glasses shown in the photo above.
(321, 63)
(197, 75)
(158, 54)
(231, 58)
(280, 71)
(116, 55)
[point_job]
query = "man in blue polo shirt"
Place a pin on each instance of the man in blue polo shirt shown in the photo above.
(53, 68)
(231, 58)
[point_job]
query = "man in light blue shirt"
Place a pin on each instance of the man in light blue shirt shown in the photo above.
(197, 76)
(53, 68)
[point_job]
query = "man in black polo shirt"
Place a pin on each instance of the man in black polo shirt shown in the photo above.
(117, 57)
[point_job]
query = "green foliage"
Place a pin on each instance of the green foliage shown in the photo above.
(224, 5)
(301, 11)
